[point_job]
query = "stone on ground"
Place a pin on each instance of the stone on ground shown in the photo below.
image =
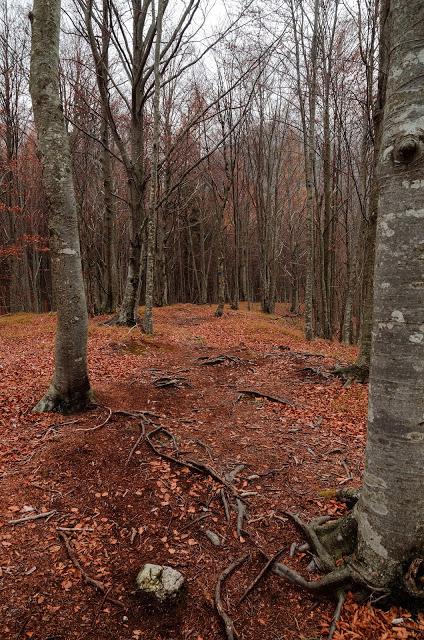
(162, 583)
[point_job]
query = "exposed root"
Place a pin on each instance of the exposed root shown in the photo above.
(117, 321)
(338, 579)
(325, 560)
(228, 623)
(336, 616)
(267, 566)
(99, 586)
(352, 373)
(254, 393)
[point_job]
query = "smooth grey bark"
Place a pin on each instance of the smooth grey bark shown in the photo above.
(70, 388)
(390, 512)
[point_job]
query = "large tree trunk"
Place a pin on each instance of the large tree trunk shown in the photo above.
(70, 388)
(391, 508)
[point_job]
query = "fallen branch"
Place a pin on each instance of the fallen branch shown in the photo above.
(261, 394)
(99, 586)
(36, 516)
(228, 623)
(262, 572)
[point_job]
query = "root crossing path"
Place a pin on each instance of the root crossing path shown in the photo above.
(120, 502)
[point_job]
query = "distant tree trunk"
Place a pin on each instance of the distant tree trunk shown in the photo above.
(70, 388)
(360, 370)
(221, 283)
(154, 187)
(109, 212)
(391, 507)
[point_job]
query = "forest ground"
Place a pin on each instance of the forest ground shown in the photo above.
(148, 510)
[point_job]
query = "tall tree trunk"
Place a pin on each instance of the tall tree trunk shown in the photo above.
(154, 186)
(363, 361)
(221, 282)
(391, 507)
(106, 161)
(70, 389)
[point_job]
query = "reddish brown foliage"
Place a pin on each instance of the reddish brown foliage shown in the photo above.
(148, 510)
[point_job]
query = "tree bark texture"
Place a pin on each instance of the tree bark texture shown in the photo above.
(391, 508)
(70, 389)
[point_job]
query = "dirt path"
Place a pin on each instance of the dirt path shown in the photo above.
(149, 510)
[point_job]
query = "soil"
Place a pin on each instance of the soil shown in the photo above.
(118, 516)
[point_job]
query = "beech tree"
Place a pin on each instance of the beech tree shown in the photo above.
(70, 388)
(383, 535)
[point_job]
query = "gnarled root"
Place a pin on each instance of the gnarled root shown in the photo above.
(338, 579)
(352, 373)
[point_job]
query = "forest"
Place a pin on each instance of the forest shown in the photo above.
(212, 319)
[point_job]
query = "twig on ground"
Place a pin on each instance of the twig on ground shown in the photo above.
(190, 524)
(228, 623)
(36, 516)
(88, 579)
(337, 612)
(262, 572)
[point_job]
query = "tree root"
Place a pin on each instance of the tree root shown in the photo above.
(267, 566)
(116, 321)
(336, 616)
(352, 373)
(228, 623)
(324, 559)
(99, 586)
(338, 579)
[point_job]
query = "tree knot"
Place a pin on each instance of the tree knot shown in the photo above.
(414, 578)
(407, 149)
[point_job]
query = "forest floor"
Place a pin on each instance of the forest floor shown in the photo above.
(121, 512)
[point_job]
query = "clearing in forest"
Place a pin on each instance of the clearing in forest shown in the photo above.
(243, 396)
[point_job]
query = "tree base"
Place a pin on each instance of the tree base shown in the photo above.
(352, 373)
(329, 541)
(55, 402)
(117, 321)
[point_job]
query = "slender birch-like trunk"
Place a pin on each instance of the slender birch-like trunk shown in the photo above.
(70, 388)
(154, 187)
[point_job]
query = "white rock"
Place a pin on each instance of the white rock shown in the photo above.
(162, 582)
